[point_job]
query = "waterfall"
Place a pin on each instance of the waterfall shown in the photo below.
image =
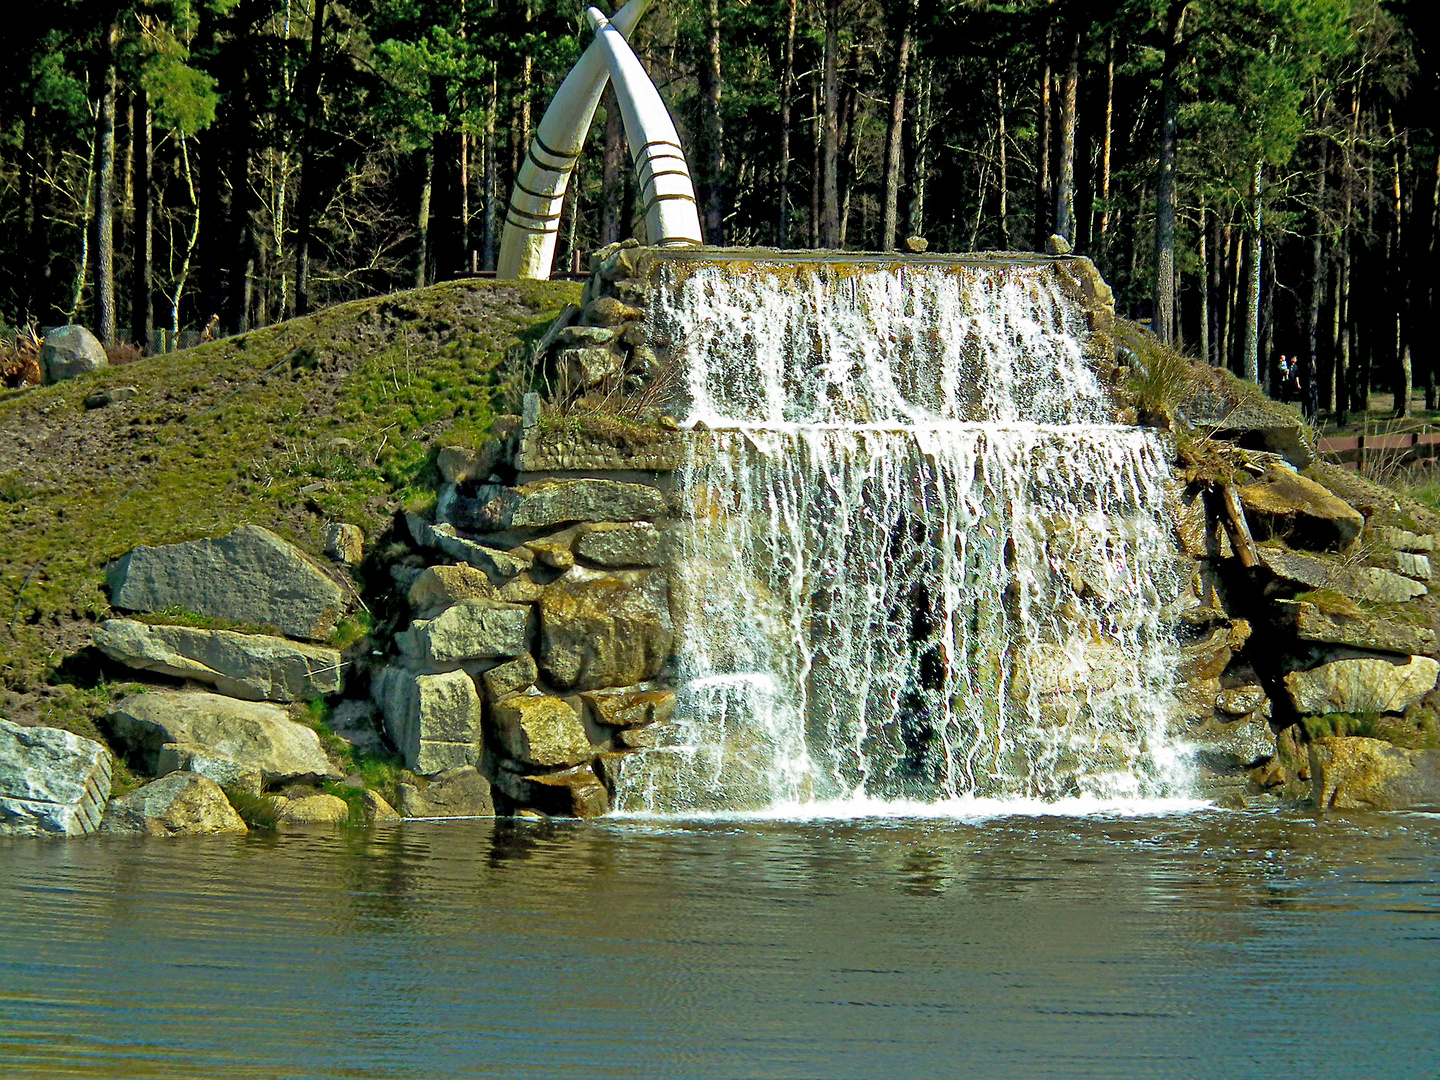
(918, 559)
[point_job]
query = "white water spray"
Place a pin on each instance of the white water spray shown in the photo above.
(919, 561)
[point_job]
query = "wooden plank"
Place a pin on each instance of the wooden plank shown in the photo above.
(1238, 528)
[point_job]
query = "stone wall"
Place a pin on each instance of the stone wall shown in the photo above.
(539, 634)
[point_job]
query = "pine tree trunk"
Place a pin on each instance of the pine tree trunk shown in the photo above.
(104, 192)
(713, 127)
(1422, 276)
(1105, 145)
(1395, 260)
(895, 133)
(612, 173)
(1042, 146)
(1204, 254)
(422, 218)
(142, 309)
(1257, 255)
(1344, 369)
(919, 156)
(487, 242)
(305, 218)
(32, 257)
(817, 162)
(1164, 322)
(1311, 371)
(830, 209)
(1000, 137)
(1065, 188)
(787, 86)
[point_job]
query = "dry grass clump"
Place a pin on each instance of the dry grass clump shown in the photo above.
(1160, 379)
(20, 359)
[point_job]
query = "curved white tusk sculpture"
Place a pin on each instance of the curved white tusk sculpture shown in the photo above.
(532, 220)
(661, 175)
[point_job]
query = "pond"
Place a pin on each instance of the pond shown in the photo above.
(985, 943)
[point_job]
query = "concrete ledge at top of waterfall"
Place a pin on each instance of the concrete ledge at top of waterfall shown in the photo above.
(249, 575)
(254, 667)
(545, 504)
(52, 782)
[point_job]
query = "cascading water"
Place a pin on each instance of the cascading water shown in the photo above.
(919, 560)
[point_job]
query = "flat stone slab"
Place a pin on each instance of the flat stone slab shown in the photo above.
(255, 667)
(1407, 563)
(433, 720)
(499, 566)
(627, 543)
(468, 630)
(249, 575)
(1296, 509)
(546, 504)
(249, 732)
(52, 782)
(1361, 582)
(180, 804)
(1353, 773)
(1308, 623)
(1401, 539)
(630, 708)
(1362, 685)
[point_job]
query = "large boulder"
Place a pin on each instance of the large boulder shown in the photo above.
(461, 792)
(69, 351)
(540, 730)
(604, 629)
(1359, 631)
(1290, 507)
(256, 667)
(249, 575)
(433, 720)
(546, 504)
(51, 782)
(180, 804)
(1362, 685)
(468, 630)
(1367, 774)
(249, 732)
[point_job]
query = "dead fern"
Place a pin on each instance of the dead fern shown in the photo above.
(20, 359)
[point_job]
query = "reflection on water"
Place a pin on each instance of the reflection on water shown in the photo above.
(1205, 944)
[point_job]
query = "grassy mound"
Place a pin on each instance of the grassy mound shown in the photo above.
(333, 417)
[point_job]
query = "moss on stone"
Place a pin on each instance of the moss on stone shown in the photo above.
(1418, 729)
